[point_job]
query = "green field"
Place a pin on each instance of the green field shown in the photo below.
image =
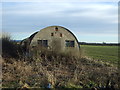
(104, 53)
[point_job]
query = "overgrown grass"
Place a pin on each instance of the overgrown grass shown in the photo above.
(102, 53)
(58, 70)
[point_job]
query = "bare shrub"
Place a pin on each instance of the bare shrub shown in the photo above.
(10, 48)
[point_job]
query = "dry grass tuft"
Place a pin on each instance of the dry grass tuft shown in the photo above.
(59, 71)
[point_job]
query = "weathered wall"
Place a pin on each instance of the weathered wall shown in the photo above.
(56, 42)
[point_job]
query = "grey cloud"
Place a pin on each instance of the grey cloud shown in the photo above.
(32, 17)
(31, 23)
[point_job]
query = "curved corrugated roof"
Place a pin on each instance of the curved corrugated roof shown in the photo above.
(32, 36)
(68, 31)
(29, 38)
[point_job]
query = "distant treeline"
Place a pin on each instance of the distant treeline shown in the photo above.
(85, 43)
(100, 44)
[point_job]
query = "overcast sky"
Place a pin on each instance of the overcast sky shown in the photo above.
(89, 21)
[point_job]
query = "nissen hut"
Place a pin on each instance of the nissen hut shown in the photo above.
(53, 38)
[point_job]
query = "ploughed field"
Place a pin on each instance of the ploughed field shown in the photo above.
(102, 53)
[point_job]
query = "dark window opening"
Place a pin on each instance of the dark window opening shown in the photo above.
(60, 34)
(40, 42)
(69, 43)
(56, 29)
(43, 43)
(52, 34)
(33, 46)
